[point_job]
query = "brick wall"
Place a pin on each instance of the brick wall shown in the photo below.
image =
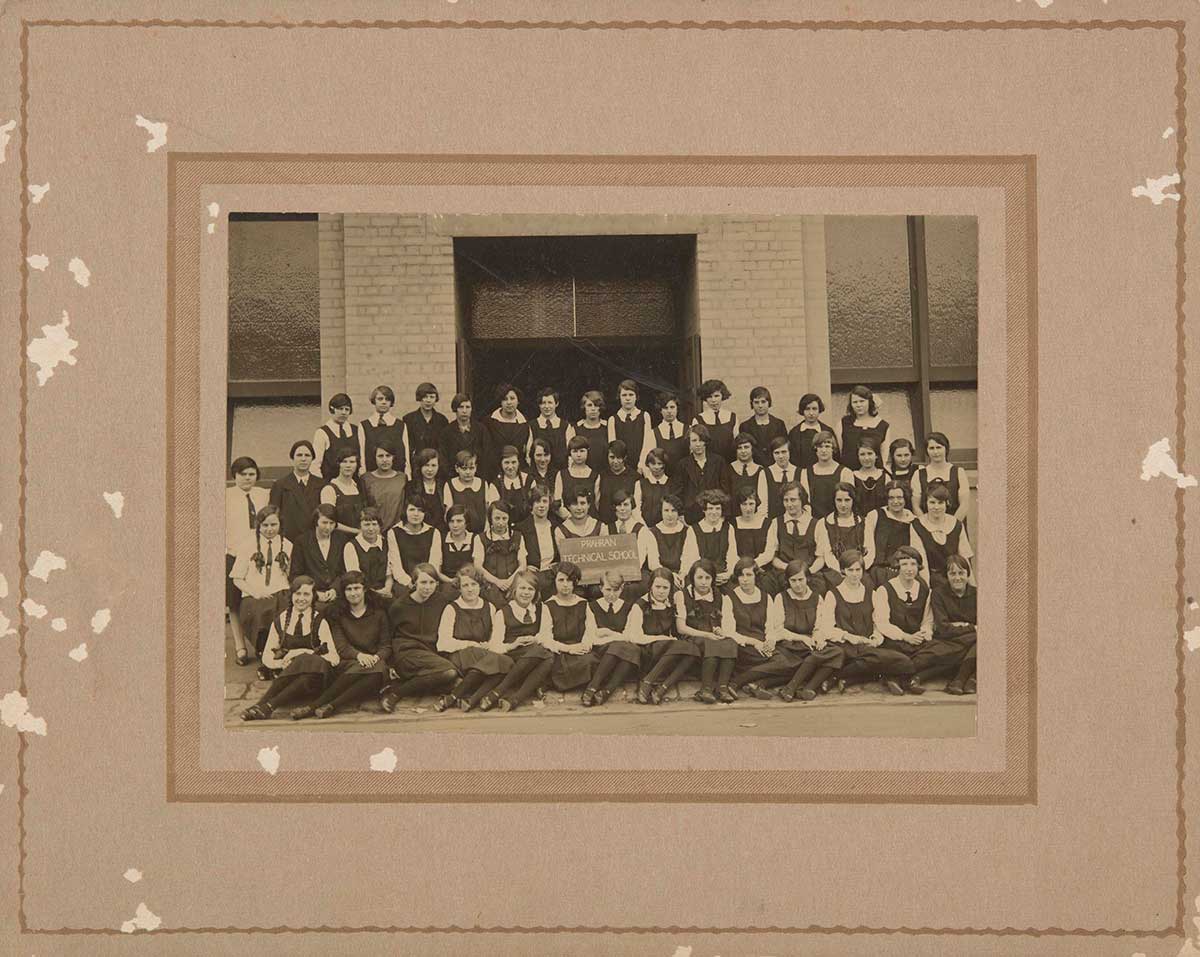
(333, 306)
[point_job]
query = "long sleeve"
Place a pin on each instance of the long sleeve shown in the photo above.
(881, 617)
(648, 548)
(775, 620)
(447, 498)
(362, 446)
(691, 552)
(325, 637)
(435, 549)
(914, 486)
(731, 554)
(915, 541)
(767, 556)
(728, 624)
(804, 483)
(927, 618)
(635, 627)
(761, 491)
(826, 628)
(870, 522)
(964, 492)
(328, 496)
(824, 549)
(589, 633)
(350, 557)
(345, 650)
(320, 447)
(446, 642)
(271, 657)
(612, 428)
(241, 568)
(490, 493)
(408, 451)
(944, 622)
(964, 547)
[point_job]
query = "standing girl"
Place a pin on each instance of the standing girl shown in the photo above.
(616, 479)
(823, 476)
(764, 426)
(651, 487)
(721, 423)
(460, 546)
(422, 427)
(501, 554)
(470, 491)
(939, 471)
(843, 529)
(412, 544)
(618, 641)
(297, 493)
(542, 470)
(870, 480)
(335, 435)
(593, 429)
(260, 572)
(577, 477)
(779, 473)
(366, 552)
(381, 427)
(299, 647)
(384, 486)
(363, 643)
(512, 483)
(414, 619)
(428, 489)
(938, 535)
(343, 492)
(462, 434)
(243, 500)
(320, 554)
(861, 421)
(801, 437)
(539, 548)
(900, 463)
(670, 434)
(745, 472)
(508, 427)
(631, 426)
(464, 636)
(551, 428)
(515, 632)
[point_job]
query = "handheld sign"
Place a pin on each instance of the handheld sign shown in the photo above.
(598, 554)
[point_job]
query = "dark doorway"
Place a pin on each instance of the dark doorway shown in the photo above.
(576, 313)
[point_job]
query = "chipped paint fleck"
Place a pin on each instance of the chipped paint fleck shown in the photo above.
(385, 760)
(214, 210)
(80, 271)
(1158, 462)
(78, 653)
(100, 620)
(54, 346)
(133, 875)
(268, 758)
(1168, 132)
(1192, 637)
(38, 261)
(1192, 604)
(6, 628)
(46, 563)
(3, 587)
(5, 132)
(14, 712)
(157, 131)
(1155, 190)
(59, 624)
(144, 919)
(37, 193)
(33, 609)
(212, 228)
(682, 951)
(116, 501)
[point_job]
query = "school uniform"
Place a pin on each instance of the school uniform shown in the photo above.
(853, 434)
(515, 634)
(721, 429)
(952, 644)
(636, 431)
(501, 432)
(776, 479)
(607, 486)
(746, 616)
(567, 487)
(501, 558)
(539, 552)
(795, 540)
(567, 531)
(623, 617)
(672, 438)
(938, 543)
(376, 429)
(800, 441)
(833, 539)
(475, 498)
(367, 635)
(456, 554)
(464, 635)
(308, 632)
(691, 478)
(903, 615)
(514, 493)
(330, 439)
(793, 620)
(296, 498)
(822, 488)
(764, 435)
(569, 622)
(454, 439)
(557, 431)
(905, 478)
(749, 475)
(419, 434)
(718, 545)
(922, 482)
(348, 506)
(886, 533)
(241, 517)
(260, 572)
(701, 613)
(370, 558)
(656, 620)
(850, 624)
(648, 497)
(870, 493)
(321, 560)
(414, 626)
(756, 538)
(432, 501)
(407, 550)
(386, 495)
(597, 439)
(549, 482)
(648, 557)
(671, 545)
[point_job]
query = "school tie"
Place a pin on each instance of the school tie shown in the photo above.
(343, 432)
(791, 527)
(250, 506)
(620, 531)
(270, 558)
(529, 616)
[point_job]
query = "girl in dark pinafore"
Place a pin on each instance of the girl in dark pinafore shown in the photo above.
(593, 430)
(672, 535)
(501, 554)
(344, 494)
(465, 637)
(745, 620)
(861, 421)
(842, 529)
(568, 630)
(553, 430)
(618, 641)
(508, 427)
(821, 478)
(515, 634)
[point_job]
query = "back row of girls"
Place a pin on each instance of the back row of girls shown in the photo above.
(901, 633)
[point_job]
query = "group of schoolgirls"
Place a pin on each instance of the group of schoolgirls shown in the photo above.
(757, 499)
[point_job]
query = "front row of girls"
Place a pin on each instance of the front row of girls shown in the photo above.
(475, 655)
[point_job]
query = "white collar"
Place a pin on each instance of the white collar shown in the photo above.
(753, 598)
(521, 479)
(703, 523)
(747, 468)
(680, 527)
(898, 584)
(582, 424)
(805, 427)
(519, 420)
(575, 600)
(551, 423)
(300, 625)
(650, 478)
(777, 472)
(519, 611)
(805, 516)
(757, 521)
(378, 543)
(905, 516)
(336, 427)
(725, 415)
(383, 419)
(626, 416)
(672, 427)
(479, 603)
(616, 605)
(401, 527)
(476, 484)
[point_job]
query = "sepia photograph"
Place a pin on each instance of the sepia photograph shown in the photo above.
(606, 474)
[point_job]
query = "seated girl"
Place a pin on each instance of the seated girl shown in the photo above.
(539, 547)
(515, 630)
(320, 555)
(465, 637)
(414, 619)
(801, 436)
(427, 488)
(955, 624)
(712, 537)
(300, 647)
(625, 523)
(658, 638)
(671, 535)
(460, 546)
(568, 630)
(745, 621)
(412, 543)
(886, 529)
(821, 479)
(618, 478)
(870, 481)
(840, 530)
(343, 492)
(745, 472)
(360, 635)
(779, 473)
(501, 554)
(939, 471)
(754, 534)
(651, 488)
(796, 538)
(577, 477)
(511, 484)
(938, 535)
(903, 615)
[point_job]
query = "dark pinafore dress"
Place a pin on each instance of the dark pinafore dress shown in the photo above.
(413, 549)
(348, 506)
(373, 435)
(721, 435)
(475, 625)
(938, 551)
(704, 615)
(775, 490)
(713, 545)
(676, 449)
(515, 628)
(310, 664)
(611, 483)
(801, 443)
(905, 478)
(516, 498)
(890, 534)
(516, 433)
(751, 541)
(857, 619)
(433, 502)
(500, 558)
(670, 546)
(372, 562)
(801, 546)
(651, 495)
(821, 489)
(557, 439)
(799, 618)
(853, 434)
(633, 434)
(546, 481)
(569, 624)
(457, 554)
(474, 501)
(597, 440)
(329, 466)
(750, 619)
(571, 486)
(617, 621)
(870, 493)
(907, 616)
(954, 487)
(842, 537)
(657, 621)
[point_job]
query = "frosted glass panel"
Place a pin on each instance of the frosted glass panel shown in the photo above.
(274, 300)
(952, 263)
(265, 431)
(955, 412)
(896, 408)
(870, 310)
